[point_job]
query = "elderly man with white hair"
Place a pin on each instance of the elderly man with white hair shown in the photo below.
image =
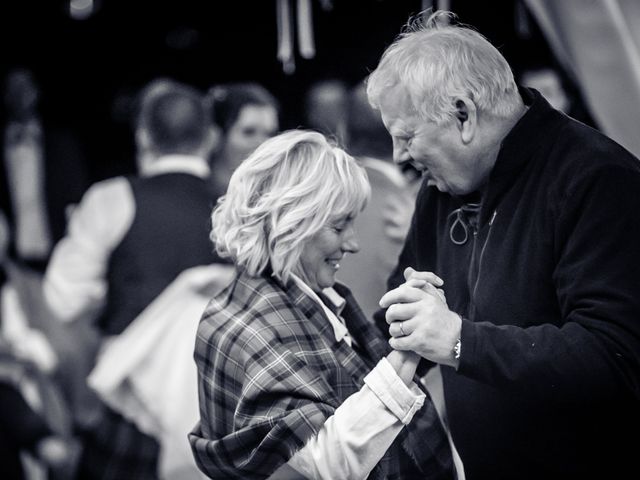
(528, 220)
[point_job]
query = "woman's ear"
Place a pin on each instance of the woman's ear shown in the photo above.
(466, 118)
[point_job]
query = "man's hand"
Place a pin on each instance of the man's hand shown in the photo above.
(420, 320)
(418, 279)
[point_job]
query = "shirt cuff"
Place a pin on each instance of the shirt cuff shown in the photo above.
(401, 400)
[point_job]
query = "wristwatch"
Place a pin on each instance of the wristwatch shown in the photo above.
(456, 350)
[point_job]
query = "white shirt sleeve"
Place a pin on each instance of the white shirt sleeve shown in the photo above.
(354, 439)
(27, 342)
(75, 282)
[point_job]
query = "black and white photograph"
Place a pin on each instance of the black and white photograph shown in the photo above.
(319, 239)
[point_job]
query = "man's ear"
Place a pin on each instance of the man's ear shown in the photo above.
(143, 150)
(466, 118)
(143, 142)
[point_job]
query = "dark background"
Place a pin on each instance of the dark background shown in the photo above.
(90, 69)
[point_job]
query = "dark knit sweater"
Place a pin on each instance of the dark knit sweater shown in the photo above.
(549, 288)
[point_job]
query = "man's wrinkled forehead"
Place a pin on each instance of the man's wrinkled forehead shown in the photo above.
(397, 109)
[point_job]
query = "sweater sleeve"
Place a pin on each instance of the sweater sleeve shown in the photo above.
(595, 346)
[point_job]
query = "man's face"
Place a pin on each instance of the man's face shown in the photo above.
(438, 151)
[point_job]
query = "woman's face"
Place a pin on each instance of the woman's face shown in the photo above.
(255, 124)
(320, 259)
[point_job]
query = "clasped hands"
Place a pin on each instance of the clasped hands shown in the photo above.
(420, 320)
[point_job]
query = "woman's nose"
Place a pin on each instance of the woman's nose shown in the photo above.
(350, 243)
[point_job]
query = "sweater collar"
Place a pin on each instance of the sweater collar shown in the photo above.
(518, 148)
(519, 144)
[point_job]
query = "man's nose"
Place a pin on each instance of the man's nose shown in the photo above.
(400, 152)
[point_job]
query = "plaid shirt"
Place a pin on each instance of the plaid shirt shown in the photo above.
(270, 373)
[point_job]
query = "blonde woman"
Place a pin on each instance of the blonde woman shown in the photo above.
(294, 382)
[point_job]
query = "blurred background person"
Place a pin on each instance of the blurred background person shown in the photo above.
(24, 431)
(555, 87)
(35, 441)
(42, 174)
(246, 114)
(127, 240)
(326, 108)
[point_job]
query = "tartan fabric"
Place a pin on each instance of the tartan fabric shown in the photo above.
(270, 373)
(117, 450)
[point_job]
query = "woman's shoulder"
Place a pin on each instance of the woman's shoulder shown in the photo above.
(248, 307)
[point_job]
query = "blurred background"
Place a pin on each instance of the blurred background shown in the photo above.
(91, 56)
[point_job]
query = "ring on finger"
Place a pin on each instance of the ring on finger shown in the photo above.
(402, 330)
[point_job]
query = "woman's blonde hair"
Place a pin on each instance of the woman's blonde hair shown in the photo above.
(282, 195)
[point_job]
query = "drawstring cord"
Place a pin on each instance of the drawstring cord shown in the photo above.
(466, 218)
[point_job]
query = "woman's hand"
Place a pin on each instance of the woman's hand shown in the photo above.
(404, 363)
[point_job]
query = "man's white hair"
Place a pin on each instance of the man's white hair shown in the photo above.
(436, 61)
